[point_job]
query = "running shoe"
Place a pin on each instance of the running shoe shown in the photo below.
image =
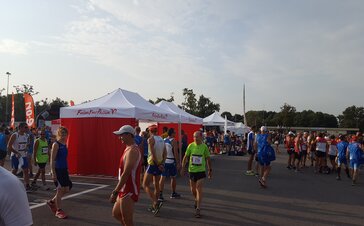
(338, 178)
(262, 183)
(157, 208)
(61, 214)
(249, 173)
(52, 206)
(161, 198)
(198, 213)
(175, 195)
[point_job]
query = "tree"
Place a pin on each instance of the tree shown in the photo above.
(190, 103)
(287, 115)
(206, 107)
(352, 117)
(229, 116)
(25, 88)
(159, 99)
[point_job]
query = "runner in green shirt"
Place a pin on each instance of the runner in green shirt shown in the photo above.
(41, 157)
(198, 155)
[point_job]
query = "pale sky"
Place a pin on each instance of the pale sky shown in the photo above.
(309, 54)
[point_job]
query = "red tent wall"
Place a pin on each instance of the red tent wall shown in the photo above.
(93, 148)
(189, 129)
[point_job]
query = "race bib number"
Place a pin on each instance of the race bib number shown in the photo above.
(22, 146)
(196, 160)
(44, 150)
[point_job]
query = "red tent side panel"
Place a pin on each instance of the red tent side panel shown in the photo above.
(92, 147)
(189, 129)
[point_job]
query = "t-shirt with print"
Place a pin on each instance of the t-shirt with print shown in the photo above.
(198, 155)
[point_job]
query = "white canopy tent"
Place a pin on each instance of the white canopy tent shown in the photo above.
(185, 116)
(93, 148)
(120, 104)
(238, 128)
(215, 119)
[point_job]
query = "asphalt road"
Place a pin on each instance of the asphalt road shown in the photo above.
(230, 198)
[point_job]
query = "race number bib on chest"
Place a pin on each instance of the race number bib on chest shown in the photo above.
(44, 150)
(197, 159)
(22, 146)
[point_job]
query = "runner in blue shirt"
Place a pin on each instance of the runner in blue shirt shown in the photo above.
(342, 147)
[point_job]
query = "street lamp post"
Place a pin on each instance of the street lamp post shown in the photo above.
(7, 100)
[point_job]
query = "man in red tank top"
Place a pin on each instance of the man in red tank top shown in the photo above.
(126, 192)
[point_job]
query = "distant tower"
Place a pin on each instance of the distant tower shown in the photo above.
(245, 121)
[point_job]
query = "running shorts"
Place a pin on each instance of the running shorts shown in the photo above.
(15, 162)
(63, 179)
(170, 170)
(197, 176)
(154, 170)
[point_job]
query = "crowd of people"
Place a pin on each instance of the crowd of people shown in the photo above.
(320, 149)
(161, 161)
(27, 147)
(310, 149)
(149, 160)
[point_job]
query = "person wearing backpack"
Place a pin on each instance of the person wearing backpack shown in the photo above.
(262, 143)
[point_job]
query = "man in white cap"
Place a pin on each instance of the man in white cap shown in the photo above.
(126, 192)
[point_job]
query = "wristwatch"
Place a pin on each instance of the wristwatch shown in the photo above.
(115, 193)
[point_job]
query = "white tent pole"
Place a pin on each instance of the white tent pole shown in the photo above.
(225, 126)
(180, 138)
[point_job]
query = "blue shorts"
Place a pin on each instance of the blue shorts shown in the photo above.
(170, 170)
(154, 170)
(263, 161)
(15, 162)
(354, 165)
(341, 161)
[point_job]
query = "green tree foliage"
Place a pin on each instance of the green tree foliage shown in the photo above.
(352, 117)
(229, 116)
(190, 103)
(159, 99)
(206, 107)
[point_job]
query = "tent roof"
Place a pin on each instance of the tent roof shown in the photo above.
(185, 116)
(215, 119)
(119, 104)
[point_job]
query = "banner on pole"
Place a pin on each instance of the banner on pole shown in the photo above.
(29, 110)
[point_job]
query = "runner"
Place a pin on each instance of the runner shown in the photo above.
(139, 140)
(289, 142)
(332, 152)
(251, 151)
(32, 134)
(41, 157)
(18, 147)
(126, 192)
(298, 151)
(312, 147)
(59, 171)
(3, 149)
(14, 205)
(262, 141)
(341, 156)
(156, 157)
(197, 155)
(354, 153)
(321, 149)
(171, 165)
(304, 147)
